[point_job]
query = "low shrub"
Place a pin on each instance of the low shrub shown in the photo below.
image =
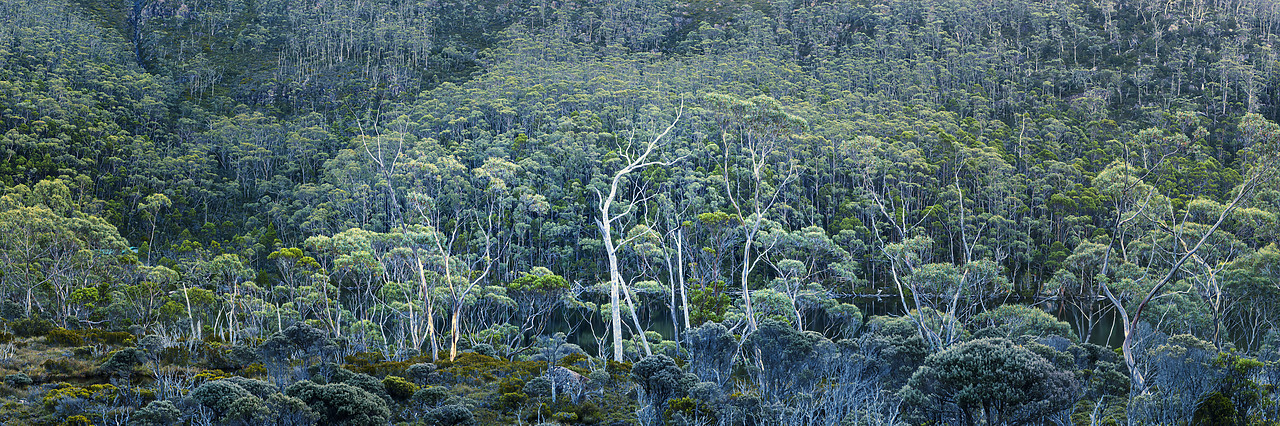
(511, 400)
(486, 350)
(420, 372)
(123, 361)
(572, 360)
(64, 337)
(67, 367)
(218, 394)
(18, 380)
(380, 369)
(430, 396)
(368, 384)
(157, 413)
(258, 388)
(340, 403)
(618, 371)
(115, 338)
(565, 417)
(399, 388)
(63, 391)
(78, 420)
(473, 368)
(31, 327)
(689, 408)
(538, 386)
(510, 384)
(451, 415)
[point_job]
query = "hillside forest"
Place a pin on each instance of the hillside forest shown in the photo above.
(639, 212)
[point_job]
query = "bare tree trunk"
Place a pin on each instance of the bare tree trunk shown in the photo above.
(607, 217)
(431, 318)
(684, 298)
(1131, 320)
(615, 281)
(453, 347)
(190, 318)
(746, 271)
(626, 291)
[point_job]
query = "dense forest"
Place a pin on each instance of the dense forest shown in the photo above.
(580, 212)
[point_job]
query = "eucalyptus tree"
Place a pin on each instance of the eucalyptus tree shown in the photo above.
(803, 261)
(47, 245)
(151, 208)
(1261, 154)
(1076, 285)
(455, 227)
(754, 133)
(225, 272)
(438, 188)
(142, 300)
(633, 156)
(536, 293)
(482, 234)
(1253, 297)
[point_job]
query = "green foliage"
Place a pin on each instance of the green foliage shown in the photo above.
(689, 408)
(420, 372)
(156, 413)
(1215, 409)
(471, 367)
(538, 386)
(509, 385)
(65, 392)
(215, 171)
(430, 396)
(485, 349)
(31, 327)
(63, 337)
(708, 303)
(991, 380)
(510, 401)
(246, 409)
(258, 388)
(1106, 411)
(78, 420)
(399, 388)
(1010, 321)
(539, 280)
(341, 403)
(17, 380)
(661, 379)
(123, 361)
(218, 395)
(451, 415)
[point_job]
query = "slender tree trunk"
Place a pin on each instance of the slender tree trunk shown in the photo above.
(746, 290)
(638, 161)
(615, 282)
(684, 298)
(431, 318)
(453, 347)
(636, 319)
(190, 318)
